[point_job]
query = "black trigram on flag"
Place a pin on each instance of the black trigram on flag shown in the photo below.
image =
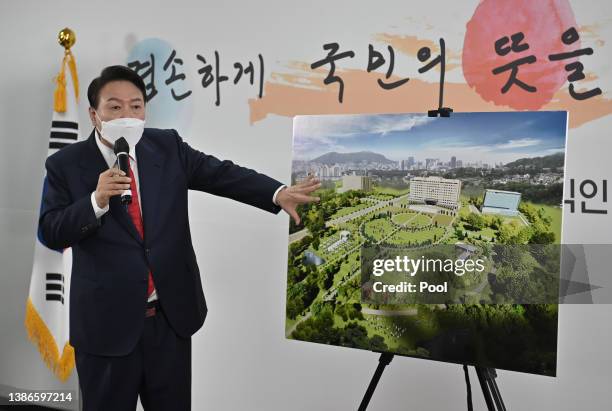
(54, 287)
(63, 133)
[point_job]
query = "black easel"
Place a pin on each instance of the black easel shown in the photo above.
(486, 376)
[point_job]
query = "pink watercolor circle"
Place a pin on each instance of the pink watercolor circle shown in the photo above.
(542, 22)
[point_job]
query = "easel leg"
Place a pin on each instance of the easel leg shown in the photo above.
(383, 361)
(492, 396)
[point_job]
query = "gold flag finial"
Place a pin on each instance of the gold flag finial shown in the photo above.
(66, 38)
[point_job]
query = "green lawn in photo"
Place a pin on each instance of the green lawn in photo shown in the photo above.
(405, 236)
(443, 219)
(420, 220)
(348, 210)
(555, 215)
(464, 209)
(396, 192)
(378, 228)
(510, 219)
(403, 216)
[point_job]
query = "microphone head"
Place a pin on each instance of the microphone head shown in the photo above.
(121, 146)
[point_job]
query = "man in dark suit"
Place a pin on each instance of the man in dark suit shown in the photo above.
(135, 293)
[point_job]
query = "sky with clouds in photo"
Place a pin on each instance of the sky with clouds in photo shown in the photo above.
(488, 137)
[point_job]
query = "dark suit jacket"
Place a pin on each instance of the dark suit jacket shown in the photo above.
(111, 262)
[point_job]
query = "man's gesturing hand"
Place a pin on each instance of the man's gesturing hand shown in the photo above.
(110, 183)
(289, 197)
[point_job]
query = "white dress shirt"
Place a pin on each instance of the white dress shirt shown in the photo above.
(110, 158)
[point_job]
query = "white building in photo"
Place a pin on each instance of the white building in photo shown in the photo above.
(436, 191)
(344, 237)
(355, 183)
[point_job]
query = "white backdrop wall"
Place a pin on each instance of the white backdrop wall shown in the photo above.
(241, 359)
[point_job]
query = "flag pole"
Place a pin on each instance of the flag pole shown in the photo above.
(46, 314)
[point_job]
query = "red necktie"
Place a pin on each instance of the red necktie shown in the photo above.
(136, 216)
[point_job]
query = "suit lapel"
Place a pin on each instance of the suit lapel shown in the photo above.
(92, 164)
(150, 165)
(119, 211)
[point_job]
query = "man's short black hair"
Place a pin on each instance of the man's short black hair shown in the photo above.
(113, 73)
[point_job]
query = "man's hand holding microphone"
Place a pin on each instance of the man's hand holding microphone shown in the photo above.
(111, 182)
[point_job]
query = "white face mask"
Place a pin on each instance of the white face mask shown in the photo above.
(129, 128)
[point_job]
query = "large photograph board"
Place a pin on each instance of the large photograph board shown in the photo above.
(408, 182)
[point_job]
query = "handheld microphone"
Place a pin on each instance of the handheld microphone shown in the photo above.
(122, 150)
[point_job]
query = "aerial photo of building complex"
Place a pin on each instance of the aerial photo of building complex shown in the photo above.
(410, 182)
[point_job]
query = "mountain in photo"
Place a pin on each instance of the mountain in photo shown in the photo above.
(552, 161)
(357, 157)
